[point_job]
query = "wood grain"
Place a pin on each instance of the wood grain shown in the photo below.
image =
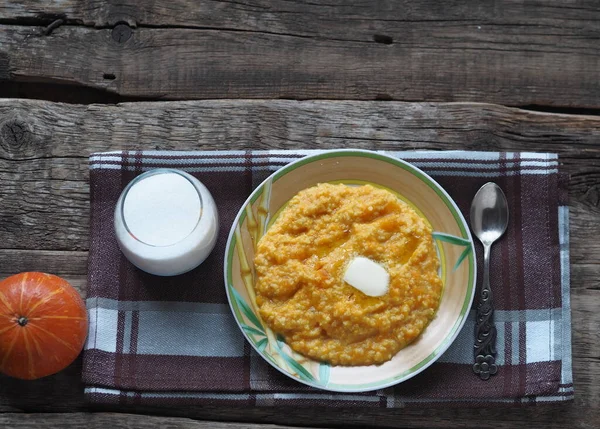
(451, 418)
(43, 148)
(116, 421)
(44, 211)
(523, 53)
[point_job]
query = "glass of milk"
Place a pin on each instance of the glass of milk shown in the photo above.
(166, 222)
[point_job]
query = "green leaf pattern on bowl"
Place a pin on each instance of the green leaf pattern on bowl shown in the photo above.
(261, 336)
(458, 241)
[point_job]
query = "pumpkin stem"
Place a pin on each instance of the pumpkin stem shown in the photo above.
(22, 321)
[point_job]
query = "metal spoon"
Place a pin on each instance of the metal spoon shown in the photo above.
(489, 218)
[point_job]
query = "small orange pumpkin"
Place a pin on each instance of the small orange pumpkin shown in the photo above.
(43, 325)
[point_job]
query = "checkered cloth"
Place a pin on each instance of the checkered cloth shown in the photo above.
(164, 341)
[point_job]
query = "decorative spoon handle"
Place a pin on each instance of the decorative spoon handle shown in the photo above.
(485, 330)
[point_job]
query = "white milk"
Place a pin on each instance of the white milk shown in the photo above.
(166, 222)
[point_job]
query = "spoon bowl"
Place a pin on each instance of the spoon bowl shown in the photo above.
(489, 213)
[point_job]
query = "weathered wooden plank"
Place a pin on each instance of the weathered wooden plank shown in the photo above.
(304, 17)
(72, 266)
(43, 149)
(61, 392)
(49, 261)
(522, 53)
(116, 421)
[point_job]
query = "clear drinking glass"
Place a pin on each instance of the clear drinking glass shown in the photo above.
(166, 222)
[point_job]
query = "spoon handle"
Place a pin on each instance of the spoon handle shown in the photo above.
(485, 330)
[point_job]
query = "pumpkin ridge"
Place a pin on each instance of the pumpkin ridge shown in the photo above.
(9, 327)
(5, 302)
(22, 293)
(60, 340)
(44, 300)
(30, 297)
(29, 355)
(8, 351)
(57, 317)
(35, 342)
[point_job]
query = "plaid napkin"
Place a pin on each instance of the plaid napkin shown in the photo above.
(163, 341)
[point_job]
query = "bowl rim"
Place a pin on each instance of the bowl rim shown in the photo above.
(442, 194)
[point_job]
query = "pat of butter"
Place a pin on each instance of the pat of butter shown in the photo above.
(367, 276)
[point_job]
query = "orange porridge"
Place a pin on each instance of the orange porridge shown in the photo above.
(300, 264)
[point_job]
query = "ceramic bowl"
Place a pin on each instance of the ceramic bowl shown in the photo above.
(452, 239)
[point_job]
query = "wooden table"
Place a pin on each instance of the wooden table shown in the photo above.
(471, 74)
